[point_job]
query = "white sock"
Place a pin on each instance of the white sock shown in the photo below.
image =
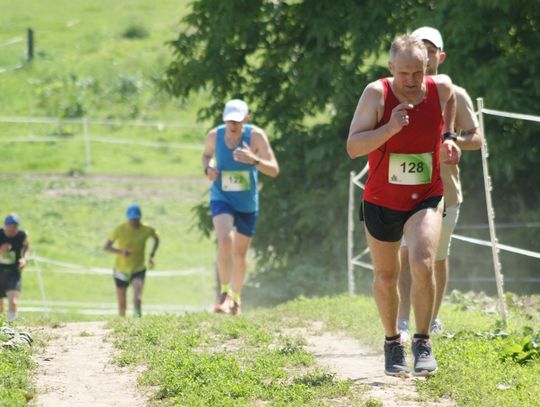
(11, 316)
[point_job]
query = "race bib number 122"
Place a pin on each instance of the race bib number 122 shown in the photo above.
(235, 181)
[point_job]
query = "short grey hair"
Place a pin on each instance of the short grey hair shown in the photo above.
(407, 42)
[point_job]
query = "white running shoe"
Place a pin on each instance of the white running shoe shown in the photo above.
(436, 326)
(403, 328)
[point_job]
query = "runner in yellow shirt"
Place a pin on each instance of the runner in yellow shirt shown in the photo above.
(128, 242)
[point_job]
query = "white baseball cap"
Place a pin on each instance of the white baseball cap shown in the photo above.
(430, 34)
(235, 110)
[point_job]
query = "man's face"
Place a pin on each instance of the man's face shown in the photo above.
(234, 128)
(134, 223)
(11, 229)
(408, 69)
(435, 57)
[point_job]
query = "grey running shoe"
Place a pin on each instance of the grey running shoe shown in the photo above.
(436, 326)
(403, 328)
(395, 359)
(424, 361)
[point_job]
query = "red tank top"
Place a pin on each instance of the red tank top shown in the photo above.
(399, 176)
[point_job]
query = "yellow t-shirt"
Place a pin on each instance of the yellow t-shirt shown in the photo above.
(133, 239)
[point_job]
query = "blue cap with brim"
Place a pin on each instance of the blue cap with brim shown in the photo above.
(11, 220)
(134, 212)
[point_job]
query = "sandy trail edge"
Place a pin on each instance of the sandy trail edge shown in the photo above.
(76, 369)
(348, 359)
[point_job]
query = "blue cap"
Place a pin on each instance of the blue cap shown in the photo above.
(134, 212)
(11, 219)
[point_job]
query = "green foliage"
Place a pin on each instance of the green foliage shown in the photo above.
(523, 349)
(473, 371)
(491, 46)
(202, 218)
(16, 388)
(302, 65)
(75, 43)
(135, 31)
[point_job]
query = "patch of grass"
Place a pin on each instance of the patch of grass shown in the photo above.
(85, 66)
(206, 359)
(473, 374)
(373, 402)
(135, 31)
(16, 387)
(95, 45)
(475, 368)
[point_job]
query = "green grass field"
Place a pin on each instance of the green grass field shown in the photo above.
(102, 60)
(68, 220)
(85, 55)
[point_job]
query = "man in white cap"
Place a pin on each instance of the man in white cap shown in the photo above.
(468, 137)
(233, 155)
(13, 250)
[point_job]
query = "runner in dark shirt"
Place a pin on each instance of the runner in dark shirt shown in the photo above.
(13, 250)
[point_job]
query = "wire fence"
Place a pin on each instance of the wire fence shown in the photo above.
(47, 306)
(496, 247)
(89, 133)
(28, 51)
(86, 140)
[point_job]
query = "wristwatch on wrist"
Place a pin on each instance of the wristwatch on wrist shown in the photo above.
(256, 162)
(449, 135)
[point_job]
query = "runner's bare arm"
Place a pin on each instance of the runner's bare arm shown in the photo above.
(363, 137)
(24, 253)
(451, 151)
(208, 154)
(447, 99)
(469, 137)
(154, 249)
(155, 245)
(108, 247)
(267, 164)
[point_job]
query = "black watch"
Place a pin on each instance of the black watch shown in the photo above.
(449, 135)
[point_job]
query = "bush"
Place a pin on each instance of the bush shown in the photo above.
(135, 32)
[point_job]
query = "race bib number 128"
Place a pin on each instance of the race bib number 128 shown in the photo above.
(410, 169)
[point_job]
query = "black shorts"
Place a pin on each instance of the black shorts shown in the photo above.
(10, 280)
(387, 224)
(122, 280)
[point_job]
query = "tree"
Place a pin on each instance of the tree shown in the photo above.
(302, 65)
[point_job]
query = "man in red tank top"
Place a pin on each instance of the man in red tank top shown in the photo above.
(398, 123)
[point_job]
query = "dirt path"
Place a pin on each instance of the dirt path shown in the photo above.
(75, 369)
(346, 358)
